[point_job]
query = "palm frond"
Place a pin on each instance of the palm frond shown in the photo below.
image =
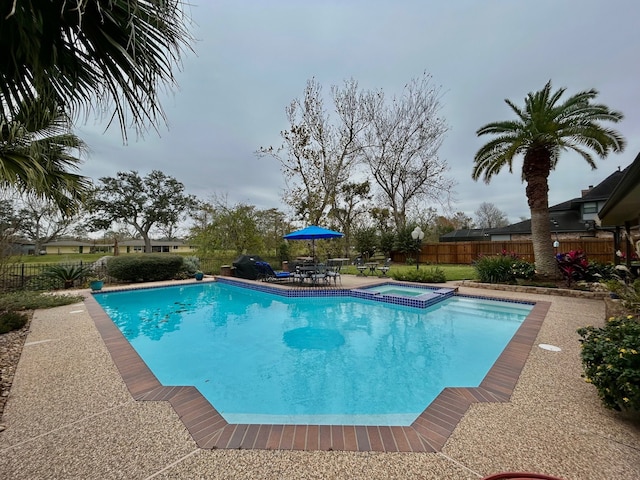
(36, 158)
(94, 55)
(548, 124)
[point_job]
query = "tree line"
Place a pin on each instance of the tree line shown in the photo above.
(156, 206)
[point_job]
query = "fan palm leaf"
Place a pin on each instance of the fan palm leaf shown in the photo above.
(104, 53)
(36, 158)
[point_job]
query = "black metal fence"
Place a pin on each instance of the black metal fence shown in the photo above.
(31, 276)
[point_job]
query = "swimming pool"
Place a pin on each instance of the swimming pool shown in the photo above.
(261, 358)
(401, 290)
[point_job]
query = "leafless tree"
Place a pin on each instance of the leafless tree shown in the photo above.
(319, 150)
(393, 143)
(42, 221)
(490, 216)
(400, 147)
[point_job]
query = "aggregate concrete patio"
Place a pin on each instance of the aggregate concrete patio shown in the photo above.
(70, 415)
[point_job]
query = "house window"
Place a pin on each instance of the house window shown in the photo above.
(590, 207)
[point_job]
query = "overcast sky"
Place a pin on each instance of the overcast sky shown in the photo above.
(253, 57)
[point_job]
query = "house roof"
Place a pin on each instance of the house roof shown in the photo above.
(76, 243)
(562, 221)
(623, 204)
(603, 190)
(566, 216)
(68, 243)
(138, 243)
(465, 233)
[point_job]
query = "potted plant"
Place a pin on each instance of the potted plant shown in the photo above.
(199, 275)
(95, 283)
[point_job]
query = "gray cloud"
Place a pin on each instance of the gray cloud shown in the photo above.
(253, 58)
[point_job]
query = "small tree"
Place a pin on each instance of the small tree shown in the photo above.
(406, 244)
(42, 221)
(490, 216)
(366, 241)
(350, 208)
(143, 203)
(224, 227)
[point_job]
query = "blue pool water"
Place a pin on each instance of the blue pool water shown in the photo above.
(262, 358)
(401, 290)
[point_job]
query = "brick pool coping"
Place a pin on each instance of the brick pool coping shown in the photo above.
(428, 433)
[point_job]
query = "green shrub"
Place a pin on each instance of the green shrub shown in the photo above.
(43, 283)
(284, 252)
(629, 293)
(503, 268)
(523, 269)
(611, 361)
(494, 269)
(422, 275)
(597, 271)
(191, 264)
(146, 267)
(12, 321)
(27, 300)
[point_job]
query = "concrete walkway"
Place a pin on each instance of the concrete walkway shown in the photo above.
(69, 415)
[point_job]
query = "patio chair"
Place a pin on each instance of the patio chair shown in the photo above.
(520, 476)
(268, 274)
(360, 266)
(385, 268)
(333, 273)
(320, 275)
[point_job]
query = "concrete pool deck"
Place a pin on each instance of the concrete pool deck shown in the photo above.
(70, 415)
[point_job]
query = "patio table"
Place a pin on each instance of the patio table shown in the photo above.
(372, 266)
(313, 273)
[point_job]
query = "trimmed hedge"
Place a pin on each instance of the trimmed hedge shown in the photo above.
(146, 267)
(422, 275)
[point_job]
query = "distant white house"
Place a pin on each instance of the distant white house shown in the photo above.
(67, 247)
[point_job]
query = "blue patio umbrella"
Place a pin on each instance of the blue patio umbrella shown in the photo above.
(312, 232)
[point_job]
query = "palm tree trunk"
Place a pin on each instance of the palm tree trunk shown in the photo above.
(543, 252)
(536, 168)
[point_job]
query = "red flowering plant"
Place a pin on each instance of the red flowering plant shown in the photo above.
(573, 265)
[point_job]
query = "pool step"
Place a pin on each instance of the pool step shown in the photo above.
(493, 311)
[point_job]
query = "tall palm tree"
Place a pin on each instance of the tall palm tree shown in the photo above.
(91, 54)
(545, 127)
(36, 155)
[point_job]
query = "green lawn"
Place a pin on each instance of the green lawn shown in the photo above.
(452, 272)
(70, 258)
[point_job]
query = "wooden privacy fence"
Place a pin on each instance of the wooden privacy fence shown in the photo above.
(464, 253)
